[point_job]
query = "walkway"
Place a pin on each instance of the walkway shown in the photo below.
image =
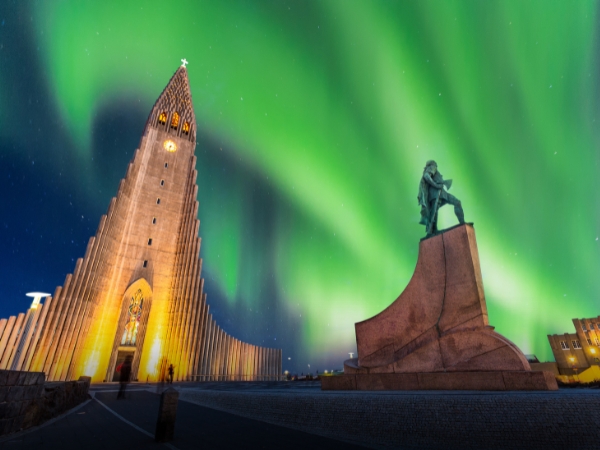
(95, 426)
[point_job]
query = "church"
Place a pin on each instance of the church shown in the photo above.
(138, 291)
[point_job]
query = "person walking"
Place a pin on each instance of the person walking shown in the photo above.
(171, 372)
(124, 377)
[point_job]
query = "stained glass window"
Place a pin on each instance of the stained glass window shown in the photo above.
(162, 118)
(133, 320)
(186, 128)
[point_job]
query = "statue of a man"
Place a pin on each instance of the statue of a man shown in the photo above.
(432, 197)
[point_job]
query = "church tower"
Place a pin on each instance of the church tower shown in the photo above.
(138, 292)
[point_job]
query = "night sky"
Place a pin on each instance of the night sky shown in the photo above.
(315, 120)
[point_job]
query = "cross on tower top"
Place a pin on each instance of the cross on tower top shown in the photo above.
(184, 62)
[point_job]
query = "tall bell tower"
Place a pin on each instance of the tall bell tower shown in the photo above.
(138, 293)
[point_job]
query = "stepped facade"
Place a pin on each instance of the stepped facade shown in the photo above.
(138, 291)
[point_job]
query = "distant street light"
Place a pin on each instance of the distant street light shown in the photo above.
(351, 355)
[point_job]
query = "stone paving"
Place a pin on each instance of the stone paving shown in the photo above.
(294, 415)
(562, 419)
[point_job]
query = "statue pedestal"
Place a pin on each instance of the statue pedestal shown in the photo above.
(436, 335)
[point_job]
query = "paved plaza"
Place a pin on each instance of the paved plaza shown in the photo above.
(107, 423)
(294, 415)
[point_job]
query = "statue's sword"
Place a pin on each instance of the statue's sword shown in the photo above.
(448, 184)
(435, 208)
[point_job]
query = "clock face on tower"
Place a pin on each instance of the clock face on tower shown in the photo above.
(169, 145)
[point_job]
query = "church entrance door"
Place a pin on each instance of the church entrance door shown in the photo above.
(121, 357)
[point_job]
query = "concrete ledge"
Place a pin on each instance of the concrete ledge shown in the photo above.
(470, 381)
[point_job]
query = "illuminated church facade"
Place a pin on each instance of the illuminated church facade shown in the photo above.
(138, 290)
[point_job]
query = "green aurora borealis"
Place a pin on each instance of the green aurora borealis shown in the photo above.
(315, 119)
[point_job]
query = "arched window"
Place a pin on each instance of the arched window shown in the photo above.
(162, 118)
(175, 120)
(134, 313)
(186, 127)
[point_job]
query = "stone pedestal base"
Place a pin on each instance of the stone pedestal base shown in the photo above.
(436, 334)
(472, 381)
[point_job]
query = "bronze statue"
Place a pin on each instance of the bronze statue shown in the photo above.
(432, 197)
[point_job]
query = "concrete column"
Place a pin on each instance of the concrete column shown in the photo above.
(243, 357)
(270, 364)
(2, 326)
(4, 338)
(232, 359)
(200, 341)
(39, 357)
(223, 366)
(221, 358)
(64, 319)
(25, 339)
(167, 413)
(257, 359)
(215, 353)
(280, 366)
(75, 316)
(196, 337)
(251, 361)
(208, 349)
(227, 356)
(10, 345)
(237, 360)
(53, 330)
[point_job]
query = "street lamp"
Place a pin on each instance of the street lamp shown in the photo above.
(24, 335)
(37, 298)
(575, 369)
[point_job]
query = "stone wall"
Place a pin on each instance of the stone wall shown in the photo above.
(26, 400)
